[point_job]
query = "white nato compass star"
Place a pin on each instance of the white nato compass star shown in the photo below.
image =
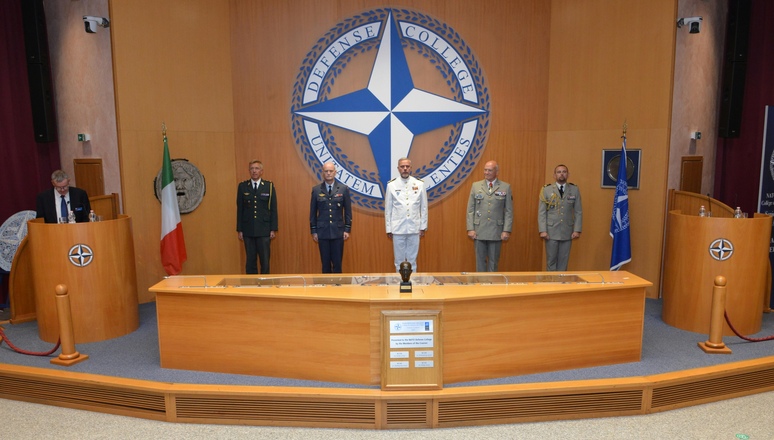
(80, 255)
(391, 110)
(721, 249)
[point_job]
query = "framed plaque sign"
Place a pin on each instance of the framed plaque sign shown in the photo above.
(411, 350)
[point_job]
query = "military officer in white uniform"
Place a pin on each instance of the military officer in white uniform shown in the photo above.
(405, 214)
(489, 217)
(560, 218)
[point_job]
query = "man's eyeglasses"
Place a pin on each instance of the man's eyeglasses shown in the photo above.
(62, 188)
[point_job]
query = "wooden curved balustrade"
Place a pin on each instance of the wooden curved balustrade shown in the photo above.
(375, 409)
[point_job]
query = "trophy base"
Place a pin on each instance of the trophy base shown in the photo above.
(405, 287)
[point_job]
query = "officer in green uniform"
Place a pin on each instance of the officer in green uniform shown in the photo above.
(490, 217)
(256, 218)
(560, 218)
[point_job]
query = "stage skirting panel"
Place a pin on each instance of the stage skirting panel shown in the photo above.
(327, 328)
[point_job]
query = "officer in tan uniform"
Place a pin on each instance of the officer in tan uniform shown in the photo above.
(490, 217)
(560, 218)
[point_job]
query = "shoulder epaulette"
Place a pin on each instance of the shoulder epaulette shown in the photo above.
(392, 180)
(570, 183)
(547, 184)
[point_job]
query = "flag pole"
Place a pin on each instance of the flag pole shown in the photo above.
(173, 252)
(619, 222)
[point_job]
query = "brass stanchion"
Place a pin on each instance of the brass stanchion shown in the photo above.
(69, 356)
(715, 345)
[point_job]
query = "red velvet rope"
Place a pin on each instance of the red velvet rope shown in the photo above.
(728, 321)
(3, 337)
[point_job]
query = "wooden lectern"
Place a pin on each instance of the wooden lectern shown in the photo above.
(96, 263)
(700, 248)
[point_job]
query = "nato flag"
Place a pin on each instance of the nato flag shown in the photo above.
(619, 223)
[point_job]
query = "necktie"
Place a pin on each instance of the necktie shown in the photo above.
(490, 186)
(63, 207)
(329, 189)
(255, 185)
(561, 190)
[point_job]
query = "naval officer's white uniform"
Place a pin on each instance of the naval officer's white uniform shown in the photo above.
(405, 215)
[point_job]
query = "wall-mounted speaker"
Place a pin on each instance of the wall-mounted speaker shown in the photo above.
(39, 71)
(42, 100)
(35, 36)
(734, 69)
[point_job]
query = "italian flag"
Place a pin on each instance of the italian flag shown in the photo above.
(173, 253)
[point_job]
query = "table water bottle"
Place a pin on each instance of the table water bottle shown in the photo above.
(737, 213)
(71, 217)
(702, 211)
(92, 216)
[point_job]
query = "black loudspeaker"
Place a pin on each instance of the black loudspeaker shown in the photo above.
(734, 68)
(42, 100)
(39, 71)
(35, 37)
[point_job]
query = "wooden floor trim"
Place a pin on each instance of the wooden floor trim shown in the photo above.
(376, 409)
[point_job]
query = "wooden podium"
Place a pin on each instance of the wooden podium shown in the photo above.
(335, 328)
(700, 248)
(96, 263)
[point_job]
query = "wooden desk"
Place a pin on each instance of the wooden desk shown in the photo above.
(332, 333)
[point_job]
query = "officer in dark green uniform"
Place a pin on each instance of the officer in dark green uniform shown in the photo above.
(256, 218)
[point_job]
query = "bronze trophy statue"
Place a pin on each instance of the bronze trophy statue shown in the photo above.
(405, 274)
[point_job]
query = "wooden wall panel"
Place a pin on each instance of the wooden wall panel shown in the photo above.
(172, 64)
(210, 230)
(510, 41)
(562, 75)
(619, 71)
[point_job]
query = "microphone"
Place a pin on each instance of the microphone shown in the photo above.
(709, 205)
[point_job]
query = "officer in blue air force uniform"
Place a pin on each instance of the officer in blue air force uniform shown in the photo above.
(330, 218)
(256, 218)
(560, 218)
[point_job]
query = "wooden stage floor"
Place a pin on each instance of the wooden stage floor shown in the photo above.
(369, 407)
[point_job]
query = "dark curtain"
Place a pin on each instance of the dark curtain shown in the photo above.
(737, 168)
(25, 165)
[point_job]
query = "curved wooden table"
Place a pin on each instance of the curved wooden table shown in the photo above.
(332, 332)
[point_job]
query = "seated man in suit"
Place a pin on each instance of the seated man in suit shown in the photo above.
(63, 198)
